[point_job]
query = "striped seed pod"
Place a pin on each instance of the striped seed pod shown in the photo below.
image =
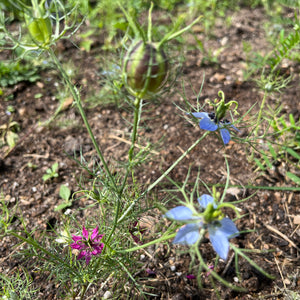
(145, 69)
(40, 30)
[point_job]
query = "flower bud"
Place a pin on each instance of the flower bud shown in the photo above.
(40, 30)
(145, 69)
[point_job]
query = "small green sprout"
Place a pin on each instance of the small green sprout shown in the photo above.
(65, 194)
(51, 172)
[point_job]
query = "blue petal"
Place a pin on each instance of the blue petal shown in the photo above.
(208, 124)
(228, 124)
(225, 135)
(219, 241)
(228, 228)
(219, 236)
(180, 213)
(200, 115)
(205, 199)
(187, 234)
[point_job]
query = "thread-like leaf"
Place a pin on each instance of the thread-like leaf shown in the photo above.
(289, 3)
(272, 151)
(293, 177)
(267, 161)
(292, 152)
(292, 120)
(282, 51)
(259, 164)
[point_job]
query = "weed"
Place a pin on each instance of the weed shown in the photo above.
(65, 194)
(51, 172)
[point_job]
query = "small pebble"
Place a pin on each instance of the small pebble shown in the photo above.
(142, 257)
(107, 295)
(173, 268)
(235, 279)
(68, 212)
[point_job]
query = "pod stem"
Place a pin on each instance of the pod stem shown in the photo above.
(77, 100)
(138, 31)
(137, 117)
(172, 35)
(149, 33)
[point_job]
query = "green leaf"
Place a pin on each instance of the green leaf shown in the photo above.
(62, 206)
(259, 164)
(11, 139)
(64, 192)
(292, 153)
(272, 151)
(293, 177)
(292, 120)
(55, 167)
(46, 176)
(266, 159)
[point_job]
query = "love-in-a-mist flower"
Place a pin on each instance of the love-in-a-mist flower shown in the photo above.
(220, 229)
(88, 245)
(209, 121)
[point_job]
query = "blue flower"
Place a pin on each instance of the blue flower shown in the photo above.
(220, 231)
(209, 122)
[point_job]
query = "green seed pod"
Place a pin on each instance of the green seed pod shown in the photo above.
(145, 69)
(40, 30)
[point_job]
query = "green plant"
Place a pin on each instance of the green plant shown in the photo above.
(18, 286)
(65, 194)
(51, 172)
(111, 233)
(13, 72)
(285, 42)
(283, 144)
(8, 134)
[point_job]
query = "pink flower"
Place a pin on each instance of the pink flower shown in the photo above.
(87, 246)
(191, 276)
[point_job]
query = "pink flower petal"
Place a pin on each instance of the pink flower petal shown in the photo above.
(87, 259)
(76, 246)
(85, 233)
(191, 276)
(94, 233)
(76, 238)
(81, 255)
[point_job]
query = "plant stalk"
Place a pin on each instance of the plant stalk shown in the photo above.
(77, 100)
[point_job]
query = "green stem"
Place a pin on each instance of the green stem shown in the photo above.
(137, 115)
(84, 288)
(34, 244)
(260, 112)
(216, 275)
(251, 262)
(77, 100)
(163, 238)
(150, 187)
(259, 118)
(175, 163)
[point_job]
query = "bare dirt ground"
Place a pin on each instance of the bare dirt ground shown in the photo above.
(270, 214)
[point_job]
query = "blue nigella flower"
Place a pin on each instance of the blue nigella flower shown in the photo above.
(211, 123)
(220, 231)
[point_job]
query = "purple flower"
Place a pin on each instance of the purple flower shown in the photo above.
(220, 231)
(211, 123)
(88, 246)
(191, 276)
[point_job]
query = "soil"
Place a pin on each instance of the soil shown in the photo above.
(270, 214)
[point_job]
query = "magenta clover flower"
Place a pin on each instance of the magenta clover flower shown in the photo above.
(220, 231)
(211, 123)
(88, 246)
